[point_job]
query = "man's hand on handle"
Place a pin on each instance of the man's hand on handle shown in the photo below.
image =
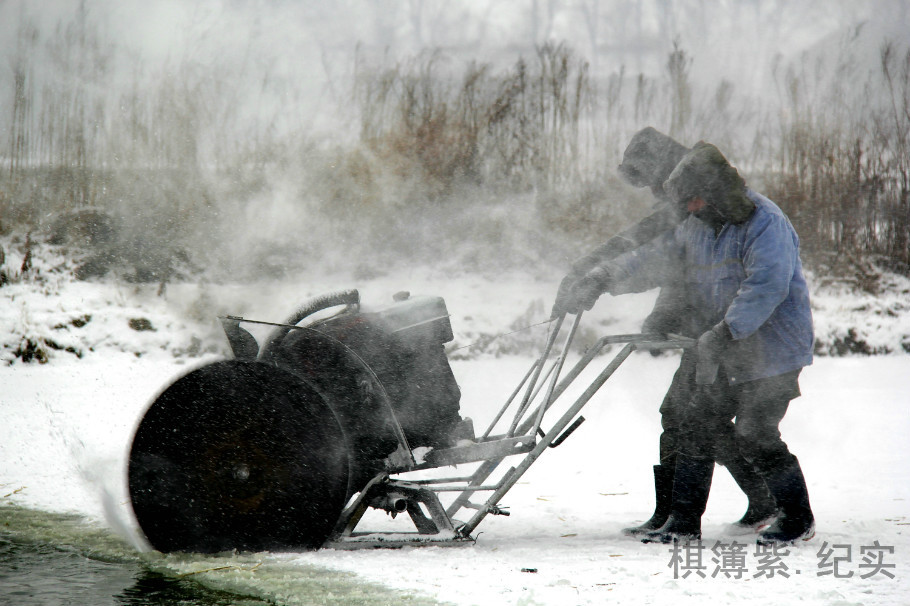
(578, 294)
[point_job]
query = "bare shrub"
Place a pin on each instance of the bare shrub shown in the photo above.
(840, 166)
(439, 156)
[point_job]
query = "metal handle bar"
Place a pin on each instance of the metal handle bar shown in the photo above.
(532, 423)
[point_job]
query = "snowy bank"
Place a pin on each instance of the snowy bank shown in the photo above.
(46, 314)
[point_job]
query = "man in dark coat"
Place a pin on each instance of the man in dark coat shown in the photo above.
(648, 161)
(750, 305)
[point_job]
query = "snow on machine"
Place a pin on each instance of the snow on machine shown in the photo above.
(337, 410)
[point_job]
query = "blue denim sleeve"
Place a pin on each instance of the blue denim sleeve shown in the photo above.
(770, 254)
(653, 264)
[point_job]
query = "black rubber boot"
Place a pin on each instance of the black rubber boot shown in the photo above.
(691, 485)
(762, 507)
(663, 496)
(795, 520)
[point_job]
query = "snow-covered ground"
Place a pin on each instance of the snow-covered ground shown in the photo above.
(65, 427)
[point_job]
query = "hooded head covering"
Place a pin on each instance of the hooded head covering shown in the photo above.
(650, 157)
(705, 173)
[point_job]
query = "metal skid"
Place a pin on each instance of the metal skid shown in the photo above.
(523, 442)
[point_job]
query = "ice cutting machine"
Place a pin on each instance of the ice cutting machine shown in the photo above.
(341, 409)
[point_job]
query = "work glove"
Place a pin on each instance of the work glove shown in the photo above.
(580, 267)
(586, 290)
(661, 322)
(561, 306)
(708, 351)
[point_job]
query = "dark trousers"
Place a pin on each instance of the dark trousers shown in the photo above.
(723, 421)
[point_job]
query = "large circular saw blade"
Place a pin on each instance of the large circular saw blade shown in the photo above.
(238, 455)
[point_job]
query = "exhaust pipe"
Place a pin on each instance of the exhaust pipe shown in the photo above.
(392, 502)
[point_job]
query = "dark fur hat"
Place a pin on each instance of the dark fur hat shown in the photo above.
(650, 157)
(705, 173)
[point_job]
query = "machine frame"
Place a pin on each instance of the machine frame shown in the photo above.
(251, 453)
(523, 442)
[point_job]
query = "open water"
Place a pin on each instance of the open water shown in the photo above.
(35, 574)
(51, 559)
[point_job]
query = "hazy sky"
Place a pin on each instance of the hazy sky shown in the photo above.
(732, 38)
(304, 52)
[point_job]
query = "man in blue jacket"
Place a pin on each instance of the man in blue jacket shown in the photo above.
(750, 303)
